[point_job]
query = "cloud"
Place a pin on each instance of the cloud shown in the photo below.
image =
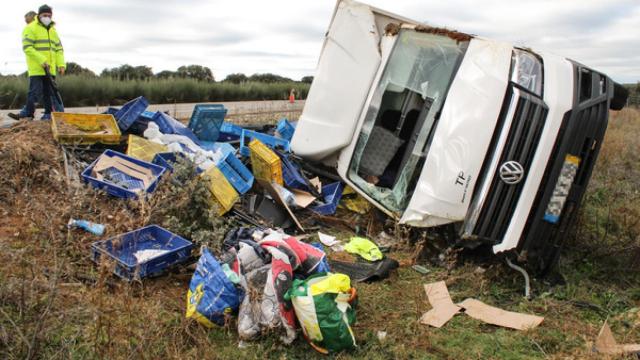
(285, 36)
(300, 31)
(221, 38)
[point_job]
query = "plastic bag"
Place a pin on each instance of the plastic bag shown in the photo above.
(211, 294)
(323, 306)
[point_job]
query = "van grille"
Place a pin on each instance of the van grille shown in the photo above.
(521, 143)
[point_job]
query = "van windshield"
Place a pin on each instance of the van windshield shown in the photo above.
(393, 142)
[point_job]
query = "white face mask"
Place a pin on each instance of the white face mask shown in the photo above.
(45, 20)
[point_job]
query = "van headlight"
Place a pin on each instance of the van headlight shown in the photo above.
(527, 71)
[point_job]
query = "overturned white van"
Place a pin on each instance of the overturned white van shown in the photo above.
(438, 127)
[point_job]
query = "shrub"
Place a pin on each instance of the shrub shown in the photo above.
(80, 90)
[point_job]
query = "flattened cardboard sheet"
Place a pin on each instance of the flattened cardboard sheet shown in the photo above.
(493, 315)
(443, 307)
(302, 198)
(607, 344)
(127, 167)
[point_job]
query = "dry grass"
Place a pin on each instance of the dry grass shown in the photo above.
(610, 223)
(54, 303)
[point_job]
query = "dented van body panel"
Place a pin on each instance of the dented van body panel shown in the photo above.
(463, 134)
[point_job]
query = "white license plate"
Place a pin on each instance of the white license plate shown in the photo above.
(561, 191)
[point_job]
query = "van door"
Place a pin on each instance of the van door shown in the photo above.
(348, 64)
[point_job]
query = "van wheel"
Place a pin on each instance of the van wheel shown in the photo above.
(620, 96)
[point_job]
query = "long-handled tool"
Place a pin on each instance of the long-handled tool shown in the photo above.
(56, 104)
(56, 98)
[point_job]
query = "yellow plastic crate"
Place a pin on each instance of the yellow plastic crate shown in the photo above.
(224, 195)
(85, 129)
(265, 163)
(143, 149)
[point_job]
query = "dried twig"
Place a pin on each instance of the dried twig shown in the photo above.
(17, 330)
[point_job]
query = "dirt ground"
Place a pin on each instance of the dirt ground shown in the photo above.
(55, 303)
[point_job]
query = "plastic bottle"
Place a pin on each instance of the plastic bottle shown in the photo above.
(94, 228)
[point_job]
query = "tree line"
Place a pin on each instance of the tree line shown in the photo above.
(196, 72)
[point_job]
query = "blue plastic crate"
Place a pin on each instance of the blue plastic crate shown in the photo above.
(291, 174)
(169, 125)
(206, 121)
(140, 125)
(231, 128)
(123, 249)
(146, 115)
(271, 141)
(130, 112)
(332, 193)
(120, 191)
(226, 137)
(238, 175)
(165, 160)
(111, 111)
(229, 132)
(215, 146)
(285, 129)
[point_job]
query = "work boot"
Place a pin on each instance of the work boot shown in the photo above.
(14, 116)
(46, 117)
(23, 116)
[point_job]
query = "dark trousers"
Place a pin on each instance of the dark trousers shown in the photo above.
(40, 88)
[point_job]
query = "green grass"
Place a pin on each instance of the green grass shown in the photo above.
(86, 91)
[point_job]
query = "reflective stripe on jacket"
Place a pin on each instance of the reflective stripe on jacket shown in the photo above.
(42, 45)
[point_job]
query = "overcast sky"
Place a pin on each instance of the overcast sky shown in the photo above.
(285, 36)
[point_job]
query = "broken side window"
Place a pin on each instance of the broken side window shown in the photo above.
(392, 144)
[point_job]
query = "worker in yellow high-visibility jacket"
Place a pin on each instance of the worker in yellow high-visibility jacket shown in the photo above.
(43, 49)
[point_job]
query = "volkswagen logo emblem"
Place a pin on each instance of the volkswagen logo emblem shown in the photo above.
(511, 172)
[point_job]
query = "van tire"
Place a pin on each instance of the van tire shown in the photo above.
(620, 96)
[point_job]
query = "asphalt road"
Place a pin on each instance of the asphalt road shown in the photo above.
(183, 111)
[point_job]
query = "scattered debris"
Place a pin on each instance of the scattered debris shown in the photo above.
(492, 315)
(277, 197)
(364, 270)
(322, 304)
(527, 286)
(145, 255)
(353, 201)
(84, 129)
(211, 294)
(144, 252)
(421, 269)
(386, 242)
(328, 240)
(607, 344)
(444, 309)
(94, 228)
(364, 247)
(122, 176)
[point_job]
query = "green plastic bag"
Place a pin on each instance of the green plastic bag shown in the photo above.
(323, 306)
(365, 248)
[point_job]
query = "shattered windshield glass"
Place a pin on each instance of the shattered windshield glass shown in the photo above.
(392, 144)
